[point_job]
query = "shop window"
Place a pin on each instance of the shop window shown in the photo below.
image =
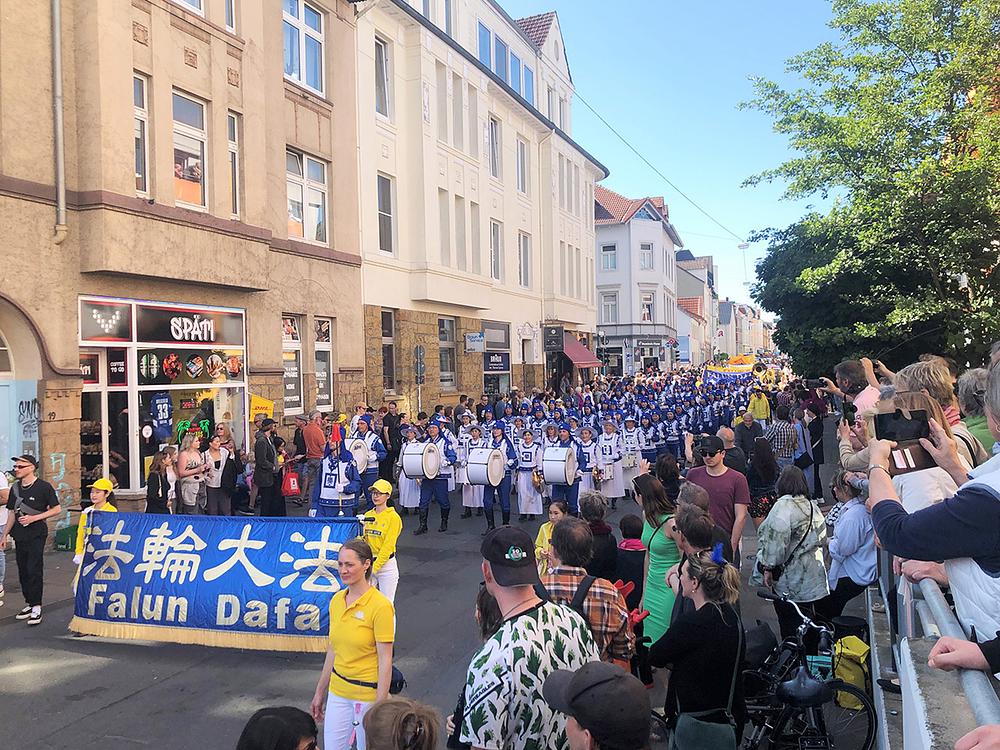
(303, 41)
(189, 151)
(233, 134)
(291, 358)
(388, 351)
(323, 353)
(446, 352)
(306, 181)
(141, 108)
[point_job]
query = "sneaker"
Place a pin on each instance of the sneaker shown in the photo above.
(35, 617)
(24, 614)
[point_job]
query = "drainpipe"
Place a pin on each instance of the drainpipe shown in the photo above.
(57, 111)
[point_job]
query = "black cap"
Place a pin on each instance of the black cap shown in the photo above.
(710, 443)
(511, 555)
(267, 422)
(27, 457)
(605, 700)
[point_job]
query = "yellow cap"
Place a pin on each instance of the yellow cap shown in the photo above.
(103, 484)
(341, 418)
(382, 487)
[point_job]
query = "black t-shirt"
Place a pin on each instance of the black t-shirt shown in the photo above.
(38, 498)
(390, 422)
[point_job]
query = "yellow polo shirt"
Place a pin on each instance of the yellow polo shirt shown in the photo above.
(381, 531)
(84, 527)
(354, 631)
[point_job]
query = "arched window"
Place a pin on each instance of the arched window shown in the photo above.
(6, 363)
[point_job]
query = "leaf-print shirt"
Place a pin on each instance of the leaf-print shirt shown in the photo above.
(504, 707)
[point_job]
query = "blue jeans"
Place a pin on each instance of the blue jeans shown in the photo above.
(434, 489)
(783, 462)
(503, 492)
(569, 493)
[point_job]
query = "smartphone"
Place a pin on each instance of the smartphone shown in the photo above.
(850, 413)
(897, 427)
(817, 383)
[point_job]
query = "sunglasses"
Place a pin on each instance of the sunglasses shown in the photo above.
(18, 467)
(708, 454)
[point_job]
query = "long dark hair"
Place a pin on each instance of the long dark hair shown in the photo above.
(763, 462)
(279, 728)
(655, 503)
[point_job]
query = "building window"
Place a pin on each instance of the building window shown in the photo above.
(461, 250)
(388, 351)
(303, 31)
(139, 86)
(529, 85)
(522, 166)
(446, 351)
(444, 226)
(474, 238)
(449, 19)
(577, 271)
(231, 15)
(189, 150)
(291, 358)
(524, 260)
(496, 250)
(563, 270)
(386, 229)
(552, 103)
(474, 132)
(233, 135)
(427, 9)
(515, 72)
(495, 134)
(457, 112)
(562, 112)
(442, 100)
(646, 256)
(323, 338)
(306, 179)
(562, 181)
(646, 311)
(609, 257)
(485, 45)
(609, 308)
(382, 77)
(500, 59)
(195, 5)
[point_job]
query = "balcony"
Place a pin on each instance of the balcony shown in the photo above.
(430, 285)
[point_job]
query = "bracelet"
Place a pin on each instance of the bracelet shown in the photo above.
(878, 466)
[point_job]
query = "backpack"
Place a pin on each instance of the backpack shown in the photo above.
(578, 598)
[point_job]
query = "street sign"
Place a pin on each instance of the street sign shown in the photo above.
(418, 352)
(475, 342)
(552, 338)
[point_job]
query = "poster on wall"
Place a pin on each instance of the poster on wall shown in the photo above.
(262, 406)
(190, 366)
(496, 362)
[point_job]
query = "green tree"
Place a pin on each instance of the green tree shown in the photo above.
(899, 121)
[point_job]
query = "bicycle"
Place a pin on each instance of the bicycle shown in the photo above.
(794, 706)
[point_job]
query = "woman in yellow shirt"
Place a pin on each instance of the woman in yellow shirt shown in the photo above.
(381, 527)
(101, 493)
(558, 510)
(358, 667)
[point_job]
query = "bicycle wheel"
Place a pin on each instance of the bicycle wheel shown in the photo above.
(658, 734)
(829, 725)
(850, 728)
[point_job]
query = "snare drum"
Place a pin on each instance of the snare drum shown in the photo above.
(421, 460)
(559, 465)
(486, 466)
(628, 461)
(359, 448)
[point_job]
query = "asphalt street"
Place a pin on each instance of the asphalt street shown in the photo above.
(80, 693)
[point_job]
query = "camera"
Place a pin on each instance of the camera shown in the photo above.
(814, 383)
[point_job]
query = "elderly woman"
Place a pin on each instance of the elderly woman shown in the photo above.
(604, 562)
(971, 393)
(790, 551)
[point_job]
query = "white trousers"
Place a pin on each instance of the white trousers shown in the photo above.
(343, 723)
(387, 579)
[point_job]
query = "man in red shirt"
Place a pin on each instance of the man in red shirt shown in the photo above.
(315, 440)
(728, 492)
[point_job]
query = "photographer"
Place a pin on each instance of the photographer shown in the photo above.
(856, 381)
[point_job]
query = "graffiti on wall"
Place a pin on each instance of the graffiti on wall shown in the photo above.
(57, 477)
(27, 418)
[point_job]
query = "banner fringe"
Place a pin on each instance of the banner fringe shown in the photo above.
(199, 637)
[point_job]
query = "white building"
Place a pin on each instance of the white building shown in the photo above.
(636, 282)
(476, 203)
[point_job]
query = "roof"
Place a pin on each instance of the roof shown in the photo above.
(684, 255)
(725, 313)
(692, 306)
(537, 27)
(580, 355)
(619, 208)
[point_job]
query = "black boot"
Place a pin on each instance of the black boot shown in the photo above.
(614, 503)
(404, 511)
(444, 519)
(479, 511)
(422, 528)
(467, 513)
(506, 517)
(490, 522)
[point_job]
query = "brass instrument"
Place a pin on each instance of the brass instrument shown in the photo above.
(537, 480)
(598, 475)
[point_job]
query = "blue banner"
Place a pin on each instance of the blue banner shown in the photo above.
(262, 583)
(717, 376)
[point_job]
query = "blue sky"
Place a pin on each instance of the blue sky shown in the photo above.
(668, 75)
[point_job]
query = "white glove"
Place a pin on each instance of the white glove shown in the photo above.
(312, 512)
(77, 559)
(372, 457)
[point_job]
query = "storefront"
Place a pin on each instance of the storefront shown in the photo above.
(154, 371)
(648, 353)
(496, 358)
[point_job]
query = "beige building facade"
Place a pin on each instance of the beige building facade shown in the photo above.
(209, 250)
(477, 224)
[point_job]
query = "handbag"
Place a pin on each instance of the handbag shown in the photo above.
(290, 484)
(804, 461)
(692, 732)
(396, 684)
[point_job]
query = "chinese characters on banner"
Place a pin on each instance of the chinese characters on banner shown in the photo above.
(262, 583)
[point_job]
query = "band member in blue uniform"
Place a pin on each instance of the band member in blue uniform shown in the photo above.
(569, 492)
(376, 453)
(437, 488)
(500, 494)
(529, 460)
(337, 483)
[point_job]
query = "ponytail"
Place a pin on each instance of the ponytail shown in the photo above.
(401, 724)
(719, 580)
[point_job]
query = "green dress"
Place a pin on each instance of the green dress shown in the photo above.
(658, 598)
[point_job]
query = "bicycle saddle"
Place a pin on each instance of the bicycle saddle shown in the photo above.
(803, 690)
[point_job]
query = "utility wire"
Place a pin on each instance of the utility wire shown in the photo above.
(648, 163)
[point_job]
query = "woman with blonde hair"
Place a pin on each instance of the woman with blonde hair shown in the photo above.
(191, 470)
(401, 724)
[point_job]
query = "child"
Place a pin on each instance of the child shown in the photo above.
(472, 494)
(409, 490)
(529, 501)
(558, 510)
(631, 559)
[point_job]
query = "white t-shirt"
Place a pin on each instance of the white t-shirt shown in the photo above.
(4, 485)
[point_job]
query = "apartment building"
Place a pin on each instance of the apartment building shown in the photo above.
(476, 203)
(185, 237)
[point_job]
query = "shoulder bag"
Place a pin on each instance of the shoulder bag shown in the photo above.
(778, 570)
(692, 732)
(396, 684)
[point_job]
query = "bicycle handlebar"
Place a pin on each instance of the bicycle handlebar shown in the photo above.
(773, 597)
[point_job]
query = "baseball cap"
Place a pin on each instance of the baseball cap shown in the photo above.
(103, 484)
(267, 423)
(711, 443)
(511, 555)
(381, 486)
(28, 458)
(605, 700)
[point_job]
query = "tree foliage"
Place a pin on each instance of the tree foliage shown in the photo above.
(900, 121)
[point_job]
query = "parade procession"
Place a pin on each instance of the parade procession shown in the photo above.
(499, 375)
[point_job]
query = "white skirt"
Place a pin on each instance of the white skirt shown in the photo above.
(462, 474)
(451, 482)
(587, 481)
(529, 501)
(472, 496)
(409, 492)
(629, 474)
(612, 484)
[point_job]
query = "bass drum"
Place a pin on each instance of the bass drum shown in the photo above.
(559, 465)
(421, 460)
(486, 466)
(359, 450)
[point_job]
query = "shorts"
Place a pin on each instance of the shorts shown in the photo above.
(761, 506)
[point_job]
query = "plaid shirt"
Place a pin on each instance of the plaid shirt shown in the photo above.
(605, 608)
(783, 438)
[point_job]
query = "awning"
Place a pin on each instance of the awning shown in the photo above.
(580, 355)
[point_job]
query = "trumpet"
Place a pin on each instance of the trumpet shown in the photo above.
(537, 480)
(597, 474)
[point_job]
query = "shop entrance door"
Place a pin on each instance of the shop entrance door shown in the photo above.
(104, 424)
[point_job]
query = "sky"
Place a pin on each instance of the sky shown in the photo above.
(669, 76)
